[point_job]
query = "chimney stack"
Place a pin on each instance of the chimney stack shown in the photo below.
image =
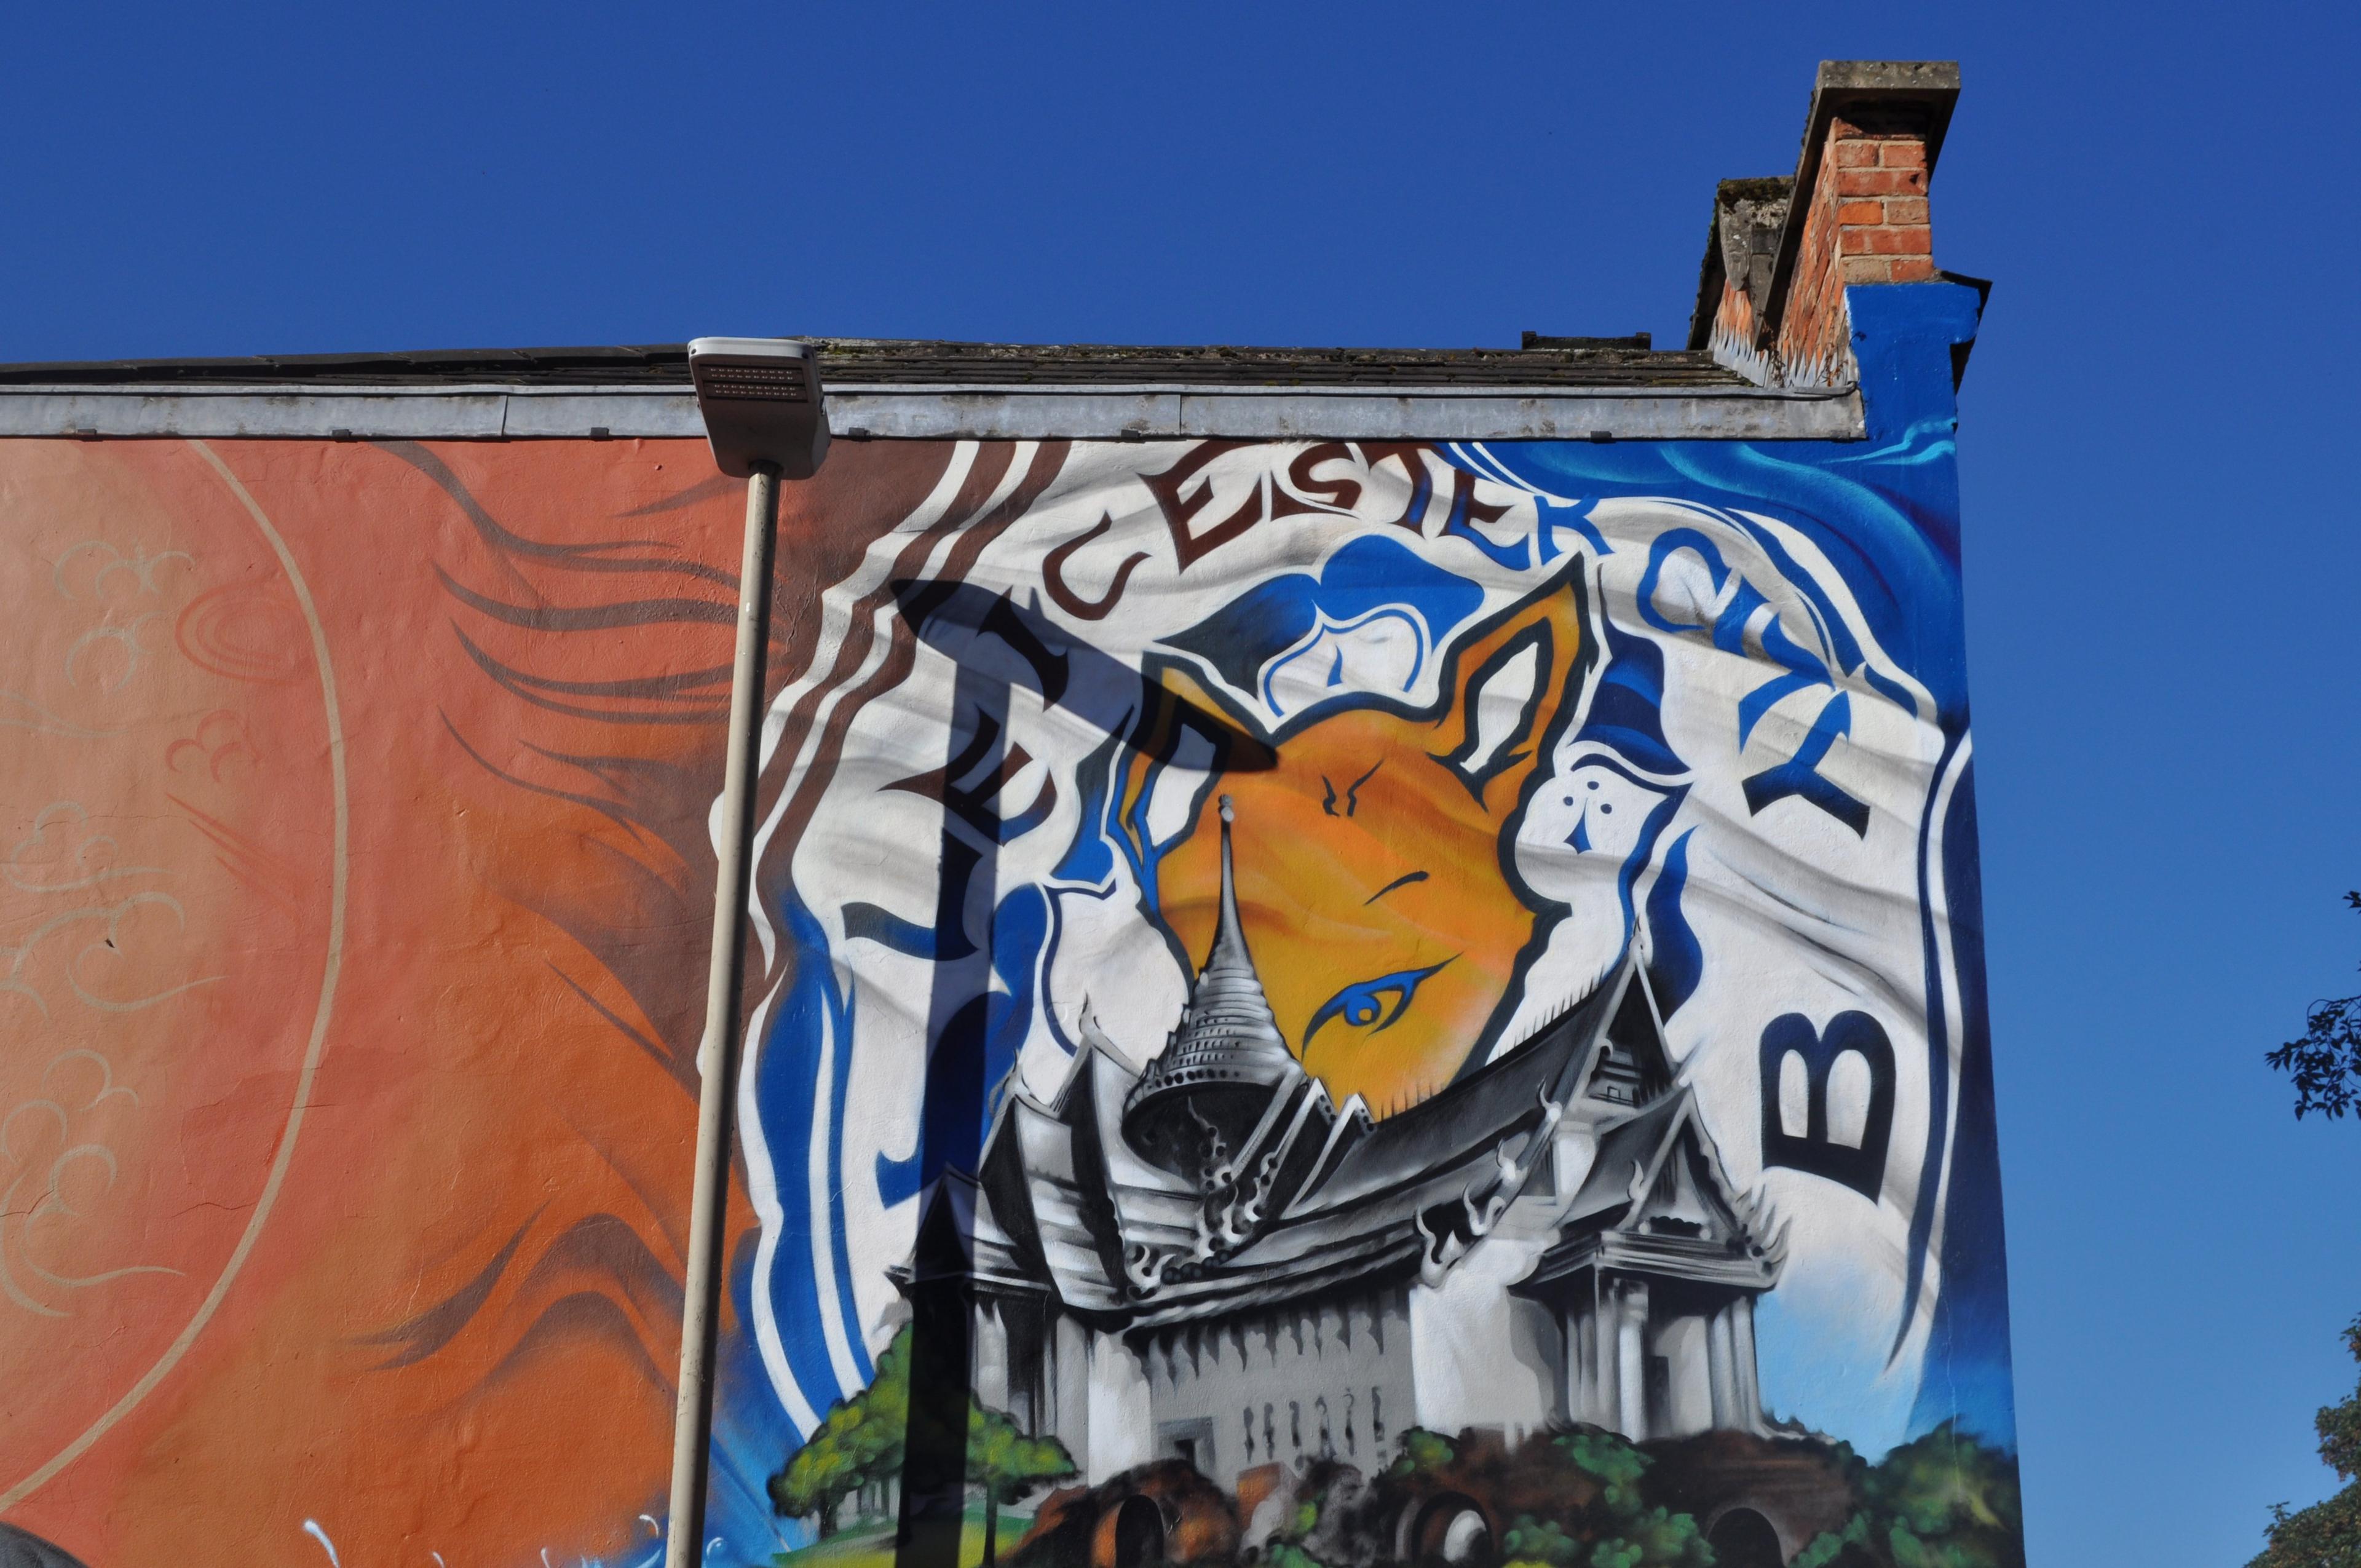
(1781, 252)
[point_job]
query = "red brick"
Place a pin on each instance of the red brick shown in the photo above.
(1881, 183)
(1914, 269)
(1915, 241)
(1906, 153)
(1863, 212)
(1905, 210)
(1852, 154)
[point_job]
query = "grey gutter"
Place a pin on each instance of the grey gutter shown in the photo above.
(1031, 411)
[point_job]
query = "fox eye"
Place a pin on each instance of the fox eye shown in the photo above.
(1373, 1005)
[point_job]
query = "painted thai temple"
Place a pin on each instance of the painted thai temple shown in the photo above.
(1210, 1260)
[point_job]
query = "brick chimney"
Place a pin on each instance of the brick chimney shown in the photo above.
(1780, 252)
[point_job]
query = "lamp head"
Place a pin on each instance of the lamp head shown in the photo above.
(761, 400)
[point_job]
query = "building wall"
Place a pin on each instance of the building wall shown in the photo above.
(358, 869)
(1770, 702)
(1334, 1380)
(352, 873)
(1489, 1358)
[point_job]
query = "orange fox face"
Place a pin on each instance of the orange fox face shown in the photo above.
(1371, 878)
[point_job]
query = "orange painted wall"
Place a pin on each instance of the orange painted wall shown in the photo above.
(352, 939)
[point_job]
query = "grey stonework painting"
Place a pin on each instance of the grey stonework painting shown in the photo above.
(1210, 1261)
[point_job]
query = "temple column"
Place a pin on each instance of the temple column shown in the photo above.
(1569, 1378)
(1606, 1387)
(1721, 1372)
(1586, 1326)
(1597, 1378)
(1632, 1359)
(1070, 1393)
(1741, 1357)
(1574, 1384)
(991, 1378)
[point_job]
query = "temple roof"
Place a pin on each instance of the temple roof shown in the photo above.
(1067, 1200)
(1630, 1152)
(1478, 1110)
(1656, 1202)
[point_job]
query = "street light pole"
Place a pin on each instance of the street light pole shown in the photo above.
(718, 1051)
(764, 416)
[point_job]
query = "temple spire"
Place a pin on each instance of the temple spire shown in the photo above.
(1229, 936)
(1220, 1067)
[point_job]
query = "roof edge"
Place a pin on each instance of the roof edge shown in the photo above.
(1432, 410)
(915, 361)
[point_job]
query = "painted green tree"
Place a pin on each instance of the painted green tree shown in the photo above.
(1628, 1533)
(1616, 1529)
(858, 1442)
(1007, 1464)
(819, 1478)
(1947, 1499)
(2327, 1534)
(1423, 1452)
(861, 1440)
(1543, 1543)
(886, 1406)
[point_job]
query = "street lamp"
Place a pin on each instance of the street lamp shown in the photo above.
(760, 398)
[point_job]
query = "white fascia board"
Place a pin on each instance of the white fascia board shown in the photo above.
(1031, 412)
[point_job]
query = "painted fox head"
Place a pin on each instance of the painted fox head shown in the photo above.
(1372, 881)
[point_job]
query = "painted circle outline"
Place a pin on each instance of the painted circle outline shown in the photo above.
(313, 1050)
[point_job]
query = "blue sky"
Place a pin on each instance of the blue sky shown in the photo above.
(2162, 554)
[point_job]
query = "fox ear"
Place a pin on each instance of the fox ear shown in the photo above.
(1508, 684)
(1180, 743)
(1177, 690)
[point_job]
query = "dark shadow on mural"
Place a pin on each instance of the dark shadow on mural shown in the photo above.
(998, 647)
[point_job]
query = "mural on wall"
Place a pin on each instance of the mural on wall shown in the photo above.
(1378, 1001)
(1352, 1002)
(353, 879)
